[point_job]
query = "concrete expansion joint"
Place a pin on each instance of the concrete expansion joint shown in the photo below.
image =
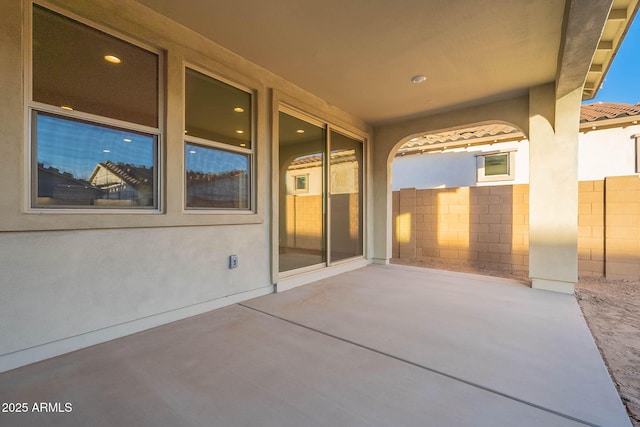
(426, 368)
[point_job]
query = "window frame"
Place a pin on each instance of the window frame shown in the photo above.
(222, 146)
(34, 107)
(305, 189)
(480, 166)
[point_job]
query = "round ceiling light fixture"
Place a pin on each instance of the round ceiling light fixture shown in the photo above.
(418, 78)
(113, 59)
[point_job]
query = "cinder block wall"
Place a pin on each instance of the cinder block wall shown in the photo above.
(489, 227)
(304, 224)
(478, 226)
(622, 221)
(591, 229)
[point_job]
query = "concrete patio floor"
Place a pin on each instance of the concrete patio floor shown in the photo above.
(379, 346)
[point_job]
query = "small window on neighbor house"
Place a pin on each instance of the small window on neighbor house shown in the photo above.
(496, 167)
(218, 143)
(497, 164)
(301, 183)
(94, 117)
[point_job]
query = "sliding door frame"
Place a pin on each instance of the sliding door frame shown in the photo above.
(279, 106)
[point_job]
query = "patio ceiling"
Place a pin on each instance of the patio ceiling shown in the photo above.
(361, 55)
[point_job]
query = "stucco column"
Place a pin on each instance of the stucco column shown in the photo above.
(381, 193)
(553, 192)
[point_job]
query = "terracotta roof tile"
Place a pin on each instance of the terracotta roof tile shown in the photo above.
(588, 113)
(342, 156)
(466, 134)
(607, 110)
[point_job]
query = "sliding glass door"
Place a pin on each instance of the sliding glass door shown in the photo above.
(345, 171)
(320, 194)
(302, 240)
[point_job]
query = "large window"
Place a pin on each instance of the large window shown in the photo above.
(94, 117)
(218, 143)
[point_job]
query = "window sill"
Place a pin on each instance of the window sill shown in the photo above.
(49, 220)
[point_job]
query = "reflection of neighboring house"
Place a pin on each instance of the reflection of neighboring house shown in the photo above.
(304, 199)
(498, 154)
(217, 190)
(305, 174)
(62, 188)
(119, 181)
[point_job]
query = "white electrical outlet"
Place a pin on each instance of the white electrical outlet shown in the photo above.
(233, 261)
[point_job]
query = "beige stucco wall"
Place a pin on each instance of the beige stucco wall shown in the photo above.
(553, 188)
(73, 279)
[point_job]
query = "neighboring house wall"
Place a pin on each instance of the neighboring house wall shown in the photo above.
(455, 168)
(113, 186)
(607, 152)
(488, 227)
(602, 153)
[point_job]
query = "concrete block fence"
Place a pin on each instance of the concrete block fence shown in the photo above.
(488, 227)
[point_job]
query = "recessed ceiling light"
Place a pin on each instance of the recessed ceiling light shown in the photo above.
(106, 151)
(300, 131)
(239, 110)
(127, 140)
(239, 131)
(243, 145)
(113, 59)
(418, 78)
(192, 151)
(66, 107)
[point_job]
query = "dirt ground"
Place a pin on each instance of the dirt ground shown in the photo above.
(612, 311)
